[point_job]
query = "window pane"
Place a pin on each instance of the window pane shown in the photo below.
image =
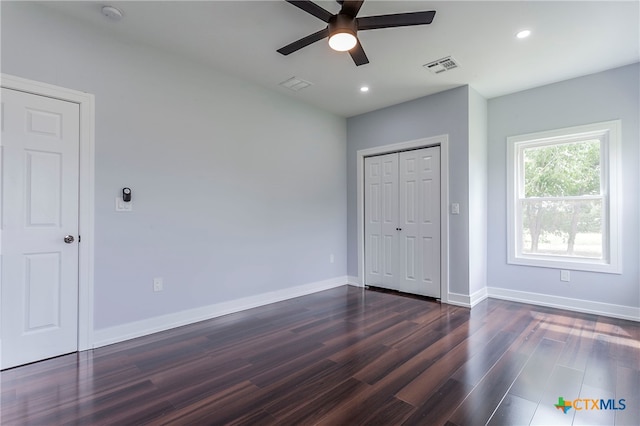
(571, 169)
(562, 228)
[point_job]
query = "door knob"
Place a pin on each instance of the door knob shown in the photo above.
(69, 239)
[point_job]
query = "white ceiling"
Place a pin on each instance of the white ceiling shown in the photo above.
(569, 39)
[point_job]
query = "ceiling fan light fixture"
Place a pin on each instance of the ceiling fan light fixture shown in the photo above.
(342, 33)
(342, 41)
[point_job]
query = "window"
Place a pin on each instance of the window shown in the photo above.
(562, 198)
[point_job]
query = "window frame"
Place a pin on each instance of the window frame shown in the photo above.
(608, 133)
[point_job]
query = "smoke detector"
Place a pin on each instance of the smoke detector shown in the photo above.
(112, 13)
(441, 65)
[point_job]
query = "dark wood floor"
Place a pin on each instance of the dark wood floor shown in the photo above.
(345, 356)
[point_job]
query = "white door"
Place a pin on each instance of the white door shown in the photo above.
(381, 220)
(39, 270)
(402, 221)
(420, 222)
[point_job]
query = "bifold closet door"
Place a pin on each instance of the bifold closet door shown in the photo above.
(402, 221)
(381, 219)
(419, 221)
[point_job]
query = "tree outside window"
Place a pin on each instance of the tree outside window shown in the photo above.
(562, 201)
(564, 198)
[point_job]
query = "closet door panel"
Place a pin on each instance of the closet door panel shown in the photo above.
(381, 216)
(420, 221)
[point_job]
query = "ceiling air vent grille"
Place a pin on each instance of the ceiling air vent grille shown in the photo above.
(441, 65)
(295, 84)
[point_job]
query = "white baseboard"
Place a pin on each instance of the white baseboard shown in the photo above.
(119, 333)
(478, 296)
(577, 305)
(458, 299)
(463, 300)
(354, 281)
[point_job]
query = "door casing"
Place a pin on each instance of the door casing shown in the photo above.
(86, 102)
(443, 142)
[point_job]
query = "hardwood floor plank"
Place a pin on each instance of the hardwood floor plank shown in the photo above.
(564, 382)
(532, 380)
(293, 392)
(513, 410)
(259, 417)
(480, 404)
(439, 406)
(392, 412)
(315, 409)
(341, 356)
(628, 388)
(472, 371)
(459, 345)
(217, 408)
(579, 343)
(391, 360)
(590, 415)
(601, 365)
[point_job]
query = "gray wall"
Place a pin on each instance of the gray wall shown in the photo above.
(237, 190)
(478, 163)
(442, 113)
(608, 95)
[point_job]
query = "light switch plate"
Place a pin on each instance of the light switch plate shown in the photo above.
(565, 275)
(121, 206)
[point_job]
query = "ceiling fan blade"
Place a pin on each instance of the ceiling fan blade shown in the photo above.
(395, 20)
(358, 55)
(303, 42)
(312, 9)
(351, 8)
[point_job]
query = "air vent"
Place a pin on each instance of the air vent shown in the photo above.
(295, 84)
(441, 65)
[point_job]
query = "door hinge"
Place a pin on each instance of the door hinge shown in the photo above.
(79, 238)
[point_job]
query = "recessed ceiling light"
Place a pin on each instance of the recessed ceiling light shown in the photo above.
(364, 89)
(112, 13)
(523, 33)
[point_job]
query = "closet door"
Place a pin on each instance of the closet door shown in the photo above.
(419, 221)
(381, 218)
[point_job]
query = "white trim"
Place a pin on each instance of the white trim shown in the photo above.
(478, 296)
(466, 301)
(443, 142)
(86, 101)
(119, 333)
(459, 299)
(354, 281)
(610, 133)
(576, 305)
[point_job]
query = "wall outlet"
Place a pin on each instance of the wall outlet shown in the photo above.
(331, 258)
(565, 276)
(455, 208)
(157, 284)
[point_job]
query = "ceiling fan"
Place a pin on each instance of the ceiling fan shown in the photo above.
(343, 27)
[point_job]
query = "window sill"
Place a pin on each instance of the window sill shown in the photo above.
(564, 263)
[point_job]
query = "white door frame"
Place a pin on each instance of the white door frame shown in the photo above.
(86, 101)
(443, 142)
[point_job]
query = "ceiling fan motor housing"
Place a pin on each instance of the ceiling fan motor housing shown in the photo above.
(342, 23)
